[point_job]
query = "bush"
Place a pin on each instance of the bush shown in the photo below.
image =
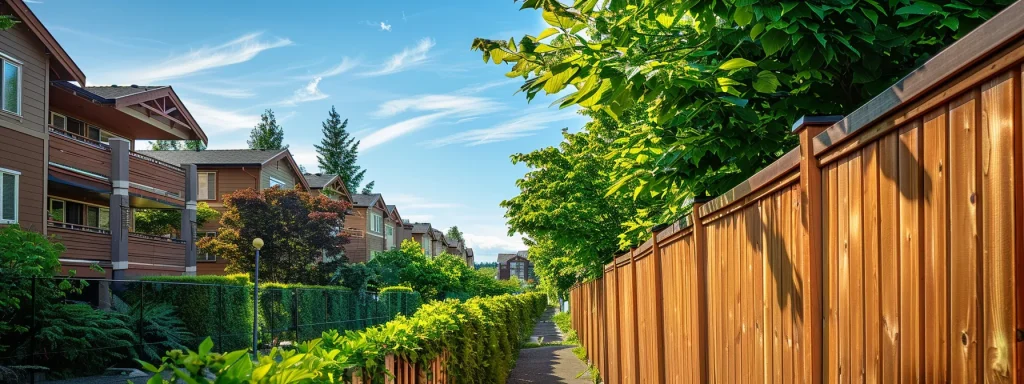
(399, 300)
(319, 308)
(482, 336)
(75, 339)
(24, 255)
(219, 306)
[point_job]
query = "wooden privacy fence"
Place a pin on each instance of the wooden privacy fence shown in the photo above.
(406, 372)
(887, 247)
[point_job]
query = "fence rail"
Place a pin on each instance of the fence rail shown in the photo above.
(105, 323)
(888, 246)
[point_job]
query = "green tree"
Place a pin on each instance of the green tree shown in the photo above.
(296, 227)
(720, 82)
(267, 134)
(195, 145)
(168, 221)
(338, 152)
(368, 188)
(455, 234)
(165, 145)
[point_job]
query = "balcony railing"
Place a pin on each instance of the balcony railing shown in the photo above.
(79, 153)
(155, 176)
(154, 237)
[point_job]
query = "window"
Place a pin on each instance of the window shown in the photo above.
(9, 196)
(11, 86)
(425, 241)
(376, 223)
(73, 212)
(207, 186)
(389, 235)
(58, 121)
(276, 183)
(206, 256)
(518, 269)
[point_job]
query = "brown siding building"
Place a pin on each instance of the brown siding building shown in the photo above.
(222, 172)
(67, 167)
(515, 264)
(372, 227)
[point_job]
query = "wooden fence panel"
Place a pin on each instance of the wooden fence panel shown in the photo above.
(916, 278)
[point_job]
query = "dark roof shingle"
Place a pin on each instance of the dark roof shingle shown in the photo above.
(119, 91)
(361, 200)
(215, 156)
(319, 180)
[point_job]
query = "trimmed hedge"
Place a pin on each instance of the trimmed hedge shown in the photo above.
(319, 308)
(399, 300)
(218, 306)
(482, 336)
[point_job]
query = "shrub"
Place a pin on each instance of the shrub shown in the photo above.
(161, 329)
(482, 336)
(319, 308)
(77, 339)
(399, 300)
(24, 255)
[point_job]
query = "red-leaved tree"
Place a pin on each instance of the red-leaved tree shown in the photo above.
(298, 229)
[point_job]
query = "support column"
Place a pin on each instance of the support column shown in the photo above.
(188, 218)
(119, 207)
(808, 127)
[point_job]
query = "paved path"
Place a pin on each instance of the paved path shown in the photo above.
(550, 364)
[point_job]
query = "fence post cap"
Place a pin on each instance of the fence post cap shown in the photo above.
(807, 121)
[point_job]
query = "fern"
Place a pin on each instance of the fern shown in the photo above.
(74, 338)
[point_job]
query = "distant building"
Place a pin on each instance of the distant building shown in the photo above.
(515, 264)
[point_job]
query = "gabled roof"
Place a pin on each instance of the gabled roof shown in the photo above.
(156, 102)
(505, 257)
(319, 180)
(65, 67)
(361, 200)
(421, 228)
(216, 156)
(394, 214)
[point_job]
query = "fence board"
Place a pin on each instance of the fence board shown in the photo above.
(936, 299)
(963, 252)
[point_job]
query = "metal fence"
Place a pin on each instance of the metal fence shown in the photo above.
(91, 330)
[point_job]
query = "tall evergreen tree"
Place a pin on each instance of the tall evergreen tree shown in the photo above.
(454, 233)
(267, 134)
(195, 145)
(338, 151)
(368, 188)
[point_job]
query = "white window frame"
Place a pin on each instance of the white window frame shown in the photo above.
(17, 199)
(4, 59)
(376, 223)
(273, 182)
(389, 237)
(199, 176)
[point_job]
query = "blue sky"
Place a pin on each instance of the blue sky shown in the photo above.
(437, 124)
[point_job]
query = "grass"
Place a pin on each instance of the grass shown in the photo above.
(563, 320)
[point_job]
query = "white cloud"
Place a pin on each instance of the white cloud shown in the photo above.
(385, 27)
(231, 93)
(436, 103)
(306, 158)
(345, 66)
(493, 243)
(214, 120)
(311, 92)
(237, 51)
(477, 88)
(408, 58)
(33, 1)
(439, 107)
(520, 127)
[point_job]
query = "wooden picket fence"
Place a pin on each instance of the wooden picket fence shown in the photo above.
(887, 247)
(405, 372)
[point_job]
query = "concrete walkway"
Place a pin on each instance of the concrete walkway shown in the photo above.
(549, 364)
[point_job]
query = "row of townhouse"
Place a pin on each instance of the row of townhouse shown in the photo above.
(69, 167)
(434, 242)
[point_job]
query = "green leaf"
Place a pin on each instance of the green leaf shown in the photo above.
(547, 33)
(870, 14)
(911, 21)
(919, 8)
(952, 22)
(205, 347)
(740, 102)
(756, 30)
(773, 41)
(558, 21)
(665, 20)
(743, 16)
(737, 63)
(766, 82)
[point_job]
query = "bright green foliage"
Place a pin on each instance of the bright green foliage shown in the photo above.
(297, 229)
(338, 151)
(720, 83)
(436, 278)
(411, 247)
(482, 336)
(167, 221)
(572, 225)
(25, 255)
(7, 22)
(267, 134)
(177, 145)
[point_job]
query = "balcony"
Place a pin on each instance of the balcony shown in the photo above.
(146, 254)
(86, 162)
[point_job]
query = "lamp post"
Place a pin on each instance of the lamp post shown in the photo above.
(256, 243)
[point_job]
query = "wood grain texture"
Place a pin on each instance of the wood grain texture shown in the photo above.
(936, 272)
(872, 272)
(888, 151)
(998, 101)
(910, 253)
(963, 241)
